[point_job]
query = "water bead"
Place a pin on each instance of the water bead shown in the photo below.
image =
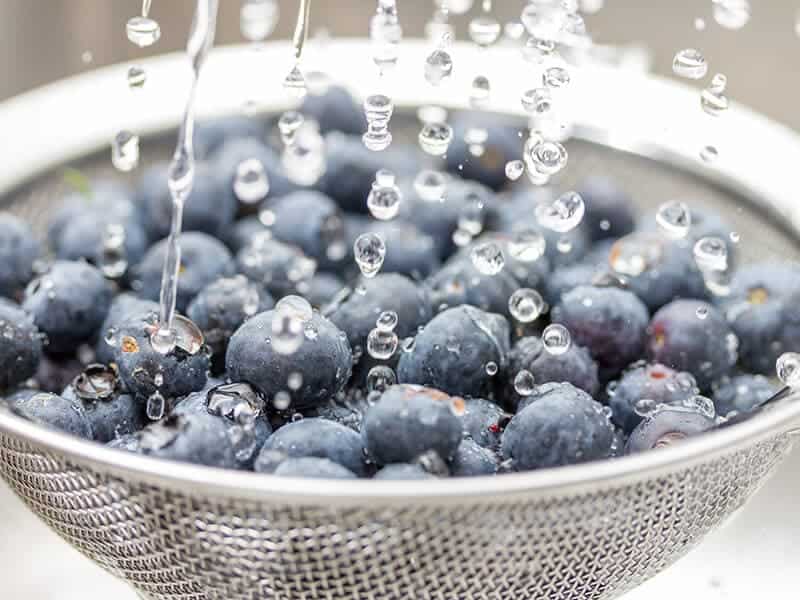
(457, 7)
(471, 217)
(382, 344)
(380, 378)
(690, 63)
(287, 332)
(125, 151)
(137, 77)
(438, 67)
(431, 114)
(537, 100)
(251, 184)
(700, 24)
(645, 407)
(385, 197)
(562, 214)
(556, 339)
(476, 137)
(295, 83)
(378, 108)
(282, 400)
(709, 154)
(527, 245)
(524, 383)
(556, 77)
(387, 320)
(143, 31)
(702, 312)
(711, 254)
(787, 368)
(718, 83)
(484, 30)
(370, 251)
(435, 138)
(491, 368)
(479, 92)
(548, 157)
(702, 405)
(488, 258)
(526, 305)
(156, 406)
(634, 254)
(258, 18)
(304, 160)
(515, 169)
(288, 124)
(731, 14)
(536, 50)
(295, 306)
(430, 186)
(674, 218)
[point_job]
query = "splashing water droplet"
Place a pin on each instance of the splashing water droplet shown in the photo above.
(288, 124)
(479, 92)
(787, 368)
(690, 63)
(488, 258)
(143, 31)
(258, 18)
(430, 185)
(484, 30)
(709, 154)
(472, 216)
(385, 197)
(702, 312)
(438, 67)
(385, 34)
(125, 151)
(251, 185)
(536, 51)
(547, 158)
(674, 218)
(387, 321)
(524, 383)
(562, 214)
(731, 14)
(556, 77)
(380, 378)
(378, 109)
(713, 100)
(491, 368)
(370, 251)
(156, 406)
(527, 245)
(113, 260)
(382, 344)
(435, 138)
(537, 101)
(645, 407)
(137, 77)
(634, 254)
(304, 160)
(515, 169)
(526, 305)
(711, 254)
(295, 83)
(556, 339)
(700, 24)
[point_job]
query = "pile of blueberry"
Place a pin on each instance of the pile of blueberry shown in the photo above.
(457, 337)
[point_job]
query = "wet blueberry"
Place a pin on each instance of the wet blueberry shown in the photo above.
(609, 209)
(123, 307)
(241, 233)
(19, 250)
(20, 345)
(335, 110)
(483, 162)
(742, 394)
(105, 196)
(322, 288)
(281, 268)
(471, 460)
(226, 159)
(210, 134)
(51, 411)
(460, 282)
(667, 426)
(484, 422)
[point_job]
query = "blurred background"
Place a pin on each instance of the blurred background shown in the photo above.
(44, 40)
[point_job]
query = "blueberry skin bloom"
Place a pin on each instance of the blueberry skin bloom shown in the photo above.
(20, 345)
(484, 422)
(203, 261)
(742, 394)
(318, 438)
(668, 425)
(313, 467)
(69, 304)
(452, 351)
(409, 420)
(19, 249)
(561, 425)
(655, 382)
(574, 366)
(610, 322)
(51, 411)
(679, 338)
(403, 472)
(324, 361)
(335, 110)
(472, 460)
(609, 210)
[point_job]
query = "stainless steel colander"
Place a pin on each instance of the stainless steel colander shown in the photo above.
(176, 531)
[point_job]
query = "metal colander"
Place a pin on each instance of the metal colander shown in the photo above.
(178, 531)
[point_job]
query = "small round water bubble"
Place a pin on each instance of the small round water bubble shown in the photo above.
(387, 320)
(515, 169)
(524, 383)
(709, 154)
(287, 331)
(731, 14)
(435, 138)
(536, 50)
(288, 124)
(562, 214)
(380, 378)
(156, 406)
(385, 33)
(125, 151)
(690, 63)
(378, 109)
(382, 344)
(711, 254)
(384, 197)
(556, 77)
(438, 67)
(370, 252)
(634, 254)
(488, 258)
(491, 368)
(295, 83)
(430, 185)
(457, 7)
(143, 31)
(547, 157)
(295, 306)
(484, 30)
(527, 245)
(137, 77)
(713, 100)
(304, 160)
(537, 100)
(258, 18)
(479, 92)
(674, 218)
(787, 368)
(556, 339)
(526, 305)
(645, 407)
(251, 185)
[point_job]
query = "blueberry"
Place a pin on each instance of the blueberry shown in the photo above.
(323, 359)
(651, 382)
(220, 309)
(335, 110)
(668, 425)
(318, 438)
(574, 366)
(609, 209)
(760, 310)
(453, 350)
(144, 371)
(471, 460)
(356, 313)
(567, 278)
(706, 223)
(110, 412)
(322, 288)
(51, 411)
(312, 222)
(410, 420)
(123, 307)
(19, 250)
(210, 134)
(203, 261)
(488, 166)
(693, 336)
(241, 233)
(69, 304)
(207, 209)
(527, 274)
(402, 472)
(348, 410)
(742, 394)
(610, 322)
(459, 282)
(317, 468)
(559, 425)
(281, 268)
(21, 347)
(670, 272)
(105, 196)
(484, 422)
(56, 373)
(227, 158)
(128, 442)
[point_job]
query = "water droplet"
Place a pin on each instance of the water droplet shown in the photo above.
(295, 83)
(258, 18)
(479, 92)
(536, 50)
(143, 31)
(163, 340)
(288, 124)
(491, 368)
(304, 160)
(545, 157)
(731, 14)
(287, 332)
(690, 63)
(438, 67)
(515, 169)
(385, 35)
(125, 151)
(435, 138)
(282, 400)
(524, 383)
(735, 237)
(484, 30)
(158, 379)
(295, 381)
(645, 407)
(562, 214)
(370, 251)
(700, 24)
(387, 320)
(251, 185)
(527, 245)
(156, 407)
(526, 305)
(537, 100)
(709, 154)
(556, 77)
(634, 254)
(488, 258)
(87, 57)
(713, 100)
(701, 404)
(711, 254)
(96, 382)
(379, 378)
(556, 339)
(430, 185)
(384, 197)
(378, 109)
(787, 367)
(137, 77)
(675, 219)
(113, 260)
(382, 344)
(702, 312)
(471, 216)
